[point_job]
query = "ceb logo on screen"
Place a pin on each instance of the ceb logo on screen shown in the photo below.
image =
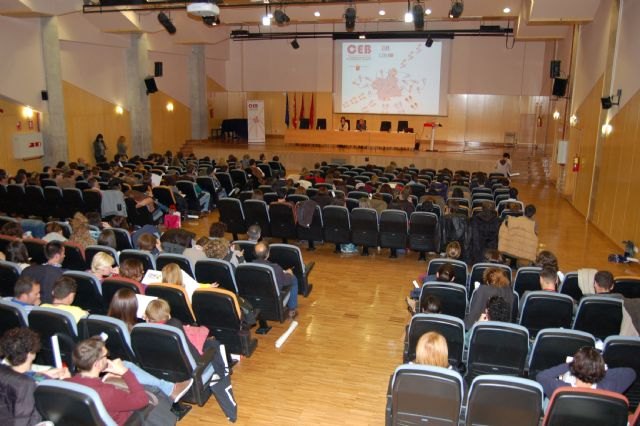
(360, 49)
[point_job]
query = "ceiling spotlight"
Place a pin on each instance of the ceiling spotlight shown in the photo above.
(280, 17)
(418, 16)
(381, 12)
(506, 10)
(408, 17)
(429, 42)
(165, 21)
(295, 44)
(457, 7)
(266, 21)
(350, 18)
(427, 11)
(211, 21)
(316, 14)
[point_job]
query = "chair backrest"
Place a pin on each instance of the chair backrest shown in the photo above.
(459, 267)
(51, 321)
(423, 394)
(91, 251)
(393, 228)
(599, 315)
(424, 231)
(364, 226)
(9, 274)
(74, 257)
(586, 407)
(453, 297)
(477, 271)
(12, 315)
(177, 298)
(112, 284)
(164, 195)
(552, 347)
(570, 286)
(629, 287)
(182, 261)
(69, 403)
(89, 292)
(504, 401)
(219, 271)
(450, 327)
(248, 248)
(148, 262)
(290, 256)
(337, 224)
(35, 248)
(543, 309)
(219, 311)
(283, 222)
(497, 348)
(118, 342)
(622, 351)
(257, 283)
(527, 279)
(123, 239)
(385, 126)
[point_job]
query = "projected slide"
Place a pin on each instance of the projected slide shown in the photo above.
(390, 77)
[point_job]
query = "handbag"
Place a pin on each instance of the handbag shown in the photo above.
(172, 220)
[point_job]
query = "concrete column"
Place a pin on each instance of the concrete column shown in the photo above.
(198, 93)
(137, 98)
(54, 129)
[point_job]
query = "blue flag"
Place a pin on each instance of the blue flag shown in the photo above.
(286, 112)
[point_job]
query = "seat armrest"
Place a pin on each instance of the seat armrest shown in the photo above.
(206, 358)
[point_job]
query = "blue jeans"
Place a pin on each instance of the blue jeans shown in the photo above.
(149, 379)
(292, 303)
(204, 199)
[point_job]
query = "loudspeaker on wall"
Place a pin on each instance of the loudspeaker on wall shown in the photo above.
(554, 69)
(559, 87)
(150, 82)
(157, 69)
(44, 95)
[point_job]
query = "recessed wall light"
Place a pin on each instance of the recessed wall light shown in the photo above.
(506, 10)
(381, 12)
(119, 110)
(316, 13)
(408, 17)
(427, 11)
(169, 106)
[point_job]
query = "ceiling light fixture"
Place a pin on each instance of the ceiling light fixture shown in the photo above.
(429, 42)
(211, 21)
(295, 44)
(457, 7)
(280, 17)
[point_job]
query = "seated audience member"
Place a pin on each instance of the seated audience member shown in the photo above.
(323, 197)
(196, 252)
(378, 203)
(64, 292)
(284, 279)
(344, 124)
(432, 349)
(54, 232)
(102, 266)
(548, 282)
(107, 238)
(19, 347)
(149, 243)
(445, 273)
(172, 274)
(361, 125)
(497, 309)
(603, 284)
(547, 259)
(132, 268)
(80, 233)
(254, 233)
(453, 250)
(124, 306)
(159, 312)
(495, 283)
(402, 202)
(26, 293)
(493, 256)
(220, 249)
(431, 305)
(217, 230)
(90, 358)
(12, 229)
(586, 370)
(176, 240)
(16, 252)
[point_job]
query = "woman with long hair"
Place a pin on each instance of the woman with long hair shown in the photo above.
(432, 350)
(494, 283)
(124, 306)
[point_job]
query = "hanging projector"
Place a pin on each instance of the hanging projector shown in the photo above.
(203, 9)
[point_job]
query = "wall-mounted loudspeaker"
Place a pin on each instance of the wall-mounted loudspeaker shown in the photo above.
(554, 69)
(559, 87)
(44, 95)
(157, 69)
(150, 82)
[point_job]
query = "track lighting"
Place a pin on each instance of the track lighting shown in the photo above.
(429, 42)
(418, 16)
(457, 7)
(350, 18)
(165, 21)
(280, 17)
(295, 44)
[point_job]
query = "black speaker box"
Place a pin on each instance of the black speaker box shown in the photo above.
(559, 87)
(554, 69)
(150, 82)
(44, 95)
(157, 69)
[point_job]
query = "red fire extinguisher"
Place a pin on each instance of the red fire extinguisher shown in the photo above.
(576, 164)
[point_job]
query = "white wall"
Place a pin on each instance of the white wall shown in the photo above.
(21, 67)
(592, 53)
(175, 75)
(627, 58)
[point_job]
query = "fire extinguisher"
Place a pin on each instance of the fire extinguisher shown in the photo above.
(576, 164)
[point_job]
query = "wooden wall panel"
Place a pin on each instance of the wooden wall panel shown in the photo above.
(10, 115)
(616, 209)
(583, 143)
(169, 129)
(86, 116)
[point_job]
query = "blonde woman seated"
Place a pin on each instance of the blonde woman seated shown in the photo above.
(80, 233)
(102, 266)
(432, 349)
(172, 274)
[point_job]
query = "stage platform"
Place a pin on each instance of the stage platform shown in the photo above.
(451, 155)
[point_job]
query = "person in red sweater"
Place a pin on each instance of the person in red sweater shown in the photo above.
(90, 358)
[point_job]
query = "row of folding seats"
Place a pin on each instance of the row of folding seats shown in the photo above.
(502, 348)
(335, 224)
(420, 394)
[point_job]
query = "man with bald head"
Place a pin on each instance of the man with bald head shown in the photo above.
(284, 279)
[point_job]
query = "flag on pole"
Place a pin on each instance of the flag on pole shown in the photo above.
(286, 111)
(295, 116)
(302, 109)
(311, 117)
